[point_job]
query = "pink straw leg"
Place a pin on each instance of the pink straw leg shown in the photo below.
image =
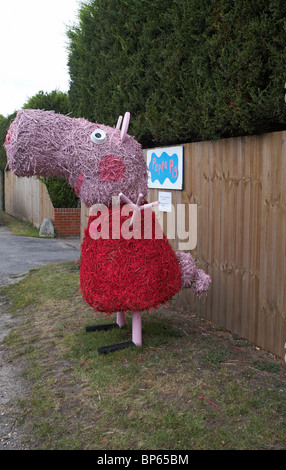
(136, 328)
(120, 319)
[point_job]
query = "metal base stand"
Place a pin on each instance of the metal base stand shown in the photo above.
(136, 332)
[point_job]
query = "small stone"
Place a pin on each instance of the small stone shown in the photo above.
(47, 228)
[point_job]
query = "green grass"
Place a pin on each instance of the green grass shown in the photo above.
(17, 226)
(188, 387)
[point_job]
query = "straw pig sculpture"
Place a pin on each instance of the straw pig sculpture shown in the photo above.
(134, 269)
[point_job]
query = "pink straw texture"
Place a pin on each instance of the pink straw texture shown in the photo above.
(47, 144)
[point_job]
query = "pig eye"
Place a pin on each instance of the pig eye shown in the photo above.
(98, 136)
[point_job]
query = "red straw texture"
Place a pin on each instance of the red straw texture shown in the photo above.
(128, 274)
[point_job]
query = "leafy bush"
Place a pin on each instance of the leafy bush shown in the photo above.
(55, 100)
(61, 193)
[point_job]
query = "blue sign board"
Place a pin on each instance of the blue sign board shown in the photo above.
(165, 167)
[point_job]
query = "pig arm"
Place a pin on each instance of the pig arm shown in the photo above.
(191, 276)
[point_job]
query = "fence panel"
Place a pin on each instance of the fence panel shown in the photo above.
(27, 199)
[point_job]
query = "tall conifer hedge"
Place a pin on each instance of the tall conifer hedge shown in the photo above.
(186, 69)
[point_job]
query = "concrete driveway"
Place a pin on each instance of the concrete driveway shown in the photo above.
(20, 254)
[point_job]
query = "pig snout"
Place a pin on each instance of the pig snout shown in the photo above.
(8, 138)
(111, 169)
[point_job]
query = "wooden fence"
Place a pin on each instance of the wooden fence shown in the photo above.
(27, 198)
(238, 185)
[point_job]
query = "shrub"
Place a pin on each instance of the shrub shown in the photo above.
(186, 69)
(61, 193)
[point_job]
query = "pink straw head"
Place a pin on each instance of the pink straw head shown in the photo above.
(97, 160)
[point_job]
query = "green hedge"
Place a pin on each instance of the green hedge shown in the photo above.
(186, 69)
(61, 193)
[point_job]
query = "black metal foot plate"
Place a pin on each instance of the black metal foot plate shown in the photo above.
(108, 326)
(115, 347)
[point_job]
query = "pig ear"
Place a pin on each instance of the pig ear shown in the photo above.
(125, 125)
(119, 122)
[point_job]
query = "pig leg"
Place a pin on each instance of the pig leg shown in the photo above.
(136, 335)
(136, 328)
(120, 319)
(119, 323)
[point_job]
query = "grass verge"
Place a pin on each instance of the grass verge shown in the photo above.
(17, 226)
(191, 386)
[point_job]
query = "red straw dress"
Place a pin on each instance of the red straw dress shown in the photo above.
(127, 268)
